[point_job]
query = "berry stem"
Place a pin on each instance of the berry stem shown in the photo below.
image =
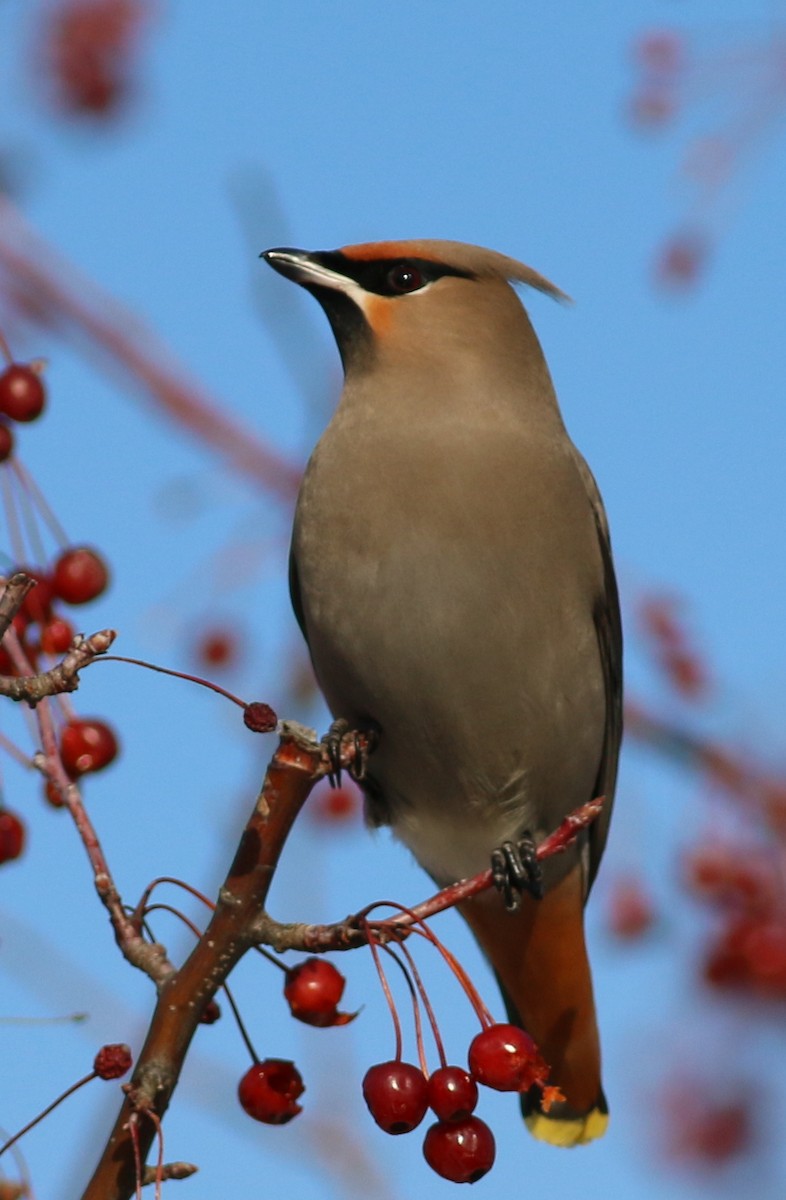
(415, 1007)
(142, 908)
(30, 486)
(5, 349)
(371, 937)
(159, 1176)
(45, 1113)
(419, 926)
(133, 1129)
(27, 510)
(405, 950)
(214, 687)
(14, 751)
(12, 518)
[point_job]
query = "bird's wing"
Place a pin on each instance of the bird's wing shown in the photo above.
(294, 595)
(608, 627)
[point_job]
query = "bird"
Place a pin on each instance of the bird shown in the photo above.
(451, 571)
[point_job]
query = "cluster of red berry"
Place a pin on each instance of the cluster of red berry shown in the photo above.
(748, 951)
(270, 1089)
(77, 576)
(22, 398)
(458, 1146)
(87, 744)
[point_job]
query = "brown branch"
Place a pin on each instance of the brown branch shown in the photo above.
(150, 958)
(12, 598)
(62, 678)
(174, 1170)
(298, 763)
(352, 932)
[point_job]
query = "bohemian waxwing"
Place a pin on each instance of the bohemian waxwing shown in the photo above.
(452, 575)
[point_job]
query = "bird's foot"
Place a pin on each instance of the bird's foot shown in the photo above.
(340, 738)
(515, 869)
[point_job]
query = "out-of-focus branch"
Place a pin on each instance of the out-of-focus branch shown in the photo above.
(57, 293)
(741, 777)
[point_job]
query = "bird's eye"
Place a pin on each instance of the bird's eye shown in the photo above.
(405, 278)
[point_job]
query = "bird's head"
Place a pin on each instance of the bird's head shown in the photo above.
(414, 299)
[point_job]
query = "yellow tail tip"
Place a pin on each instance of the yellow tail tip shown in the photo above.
(567, 1131)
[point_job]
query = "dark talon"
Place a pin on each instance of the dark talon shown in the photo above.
(332, 743)
(363, 742)
(515, 869)
(357, 768)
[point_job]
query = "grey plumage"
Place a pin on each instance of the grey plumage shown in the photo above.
(451, 567)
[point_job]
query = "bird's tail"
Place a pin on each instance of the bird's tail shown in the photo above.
(540, 960)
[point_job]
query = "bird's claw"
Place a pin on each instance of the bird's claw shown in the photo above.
(515, 869)
(362, 744)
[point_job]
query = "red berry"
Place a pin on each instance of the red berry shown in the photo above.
(79, 575)
(218, 648)
(56, 636)
(269, 1090)
(210, 1013)
(333, 806)
(313, 989)
(12, 836)
(396, 1094)
(52, 794)
(452, 1093)
(22, 395)
(37, 604)
(87, 744)
(462, 1151)
(6, 442)
(504, 1057)
(112, 1061)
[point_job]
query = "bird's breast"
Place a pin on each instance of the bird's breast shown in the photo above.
(447, 585)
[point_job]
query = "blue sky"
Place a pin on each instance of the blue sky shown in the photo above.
(316, 125)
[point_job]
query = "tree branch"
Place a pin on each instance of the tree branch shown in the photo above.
(298, 763)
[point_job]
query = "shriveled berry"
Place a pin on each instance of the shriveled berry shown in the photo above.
(452, 1093)
(259, 717)
(12, 836)
(22, 394)
(6, 442)
(269, 1090)
(313, 989)
(79, 575)
(112, 1061)
(396, 1094)
(461, 1151)
(56, 636)
(506, 1058)
(87, 744)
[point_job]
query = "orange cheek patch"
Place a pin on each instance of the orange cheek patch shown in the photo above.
(379, 314)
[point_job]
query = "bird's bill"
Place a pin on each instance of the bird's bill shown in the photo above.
(304, 268)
